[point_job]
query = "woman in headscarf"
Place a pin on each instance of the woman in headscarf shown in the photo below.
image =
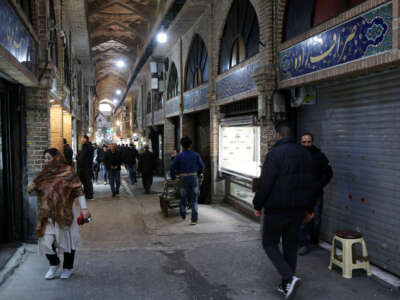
(58, 187)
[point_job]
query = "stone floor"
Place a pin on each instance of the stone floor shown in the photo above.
(131, 251)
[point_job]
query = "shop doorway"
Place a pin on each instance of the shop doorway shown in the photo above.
(12, 161)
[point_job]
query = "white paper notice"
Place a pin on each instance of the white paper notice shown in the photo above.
(240, 150)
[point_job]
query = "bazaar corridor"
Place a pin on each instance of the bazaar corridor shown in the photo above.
(130, 251)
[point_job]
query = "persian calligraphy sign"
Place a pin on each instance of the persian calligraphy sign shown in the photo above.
(237, 82)
(15, 37)
(363, 36)
(196, 99)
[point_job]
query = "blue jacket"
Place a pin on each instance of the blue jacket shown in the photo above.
(286, 182)
(187, 162)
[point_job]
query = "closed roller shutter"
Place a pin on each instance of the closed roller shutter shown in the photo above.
(356, 123)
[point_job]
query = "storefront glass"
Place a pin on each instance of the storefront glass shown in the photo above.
(241, 192)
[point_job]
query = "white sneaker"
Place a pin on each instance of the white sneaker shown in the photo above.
(66, 273)
(51, 273)
(291, 287)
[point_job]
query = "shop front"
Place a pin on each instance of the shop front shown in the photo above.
(12, 161)
(239, 151)
(356, 124)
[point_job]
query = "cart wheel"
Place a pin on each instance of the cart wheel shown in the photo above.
(161, 203)
(165, 211)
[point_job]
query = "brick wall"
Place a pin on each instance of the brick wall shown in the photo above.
(37, 131)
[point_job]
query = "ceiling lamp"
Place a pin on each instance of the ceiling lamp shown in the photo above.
(118, 92)
(162, 37)
(115, 101)
(120, 63)
(105, 107)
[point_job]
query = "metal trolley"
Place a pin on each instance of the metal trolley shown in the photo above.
(170, 197)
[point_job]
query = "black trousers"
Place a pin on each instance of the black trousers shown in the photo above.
(68, 259)
(287, 226)
(147, 180)
(85, 175)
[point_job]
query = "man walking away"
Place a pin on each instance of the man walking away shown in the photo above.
(130, 158)
(85, 163)
(188, 165)
(100, 160)
(113, 161)
(147, 165)
(322, 174)
(285, 191)
(67, 151)
(96, 164)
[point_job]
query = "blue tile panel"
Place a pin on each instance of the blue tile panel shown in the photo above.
(237, 82)
(16, 38)
(195, 99)
(363, 36)
(158, 116)
(172, 106)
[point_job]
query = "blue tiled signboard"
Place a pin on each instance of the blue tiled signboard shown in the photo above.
(195, 99)
(237, 82)
(15, 37)
(158, 117)
(363, 36)
(172, 106)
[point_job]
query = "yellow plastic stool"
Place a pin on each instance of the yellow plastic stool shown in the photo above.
(349, 261)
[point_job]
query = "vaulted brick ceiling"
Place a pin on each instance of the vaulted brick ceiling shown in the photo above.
(118, 30)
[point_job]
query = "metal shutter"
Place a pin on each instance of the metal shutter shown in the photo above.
(356, 123)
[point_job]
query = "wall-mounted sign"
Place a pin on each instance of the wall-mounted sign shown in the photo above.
(172, 107)
(196, 99)
(237, 82)
(363, 36)
(15, 37)
(239, 150)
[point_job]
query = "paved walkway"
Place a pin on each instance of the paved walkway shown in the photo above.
(131, 251)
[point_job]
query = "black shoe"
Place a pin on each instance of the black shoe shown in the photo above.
(289, 288)
(183, 217)
(117, 192)
(113, 194)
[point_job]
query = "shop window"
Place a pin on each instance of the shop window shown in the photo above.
(173, 83)
(241, 192)
(302, 15)
(241, 36)
(197, 64)
(238, 53)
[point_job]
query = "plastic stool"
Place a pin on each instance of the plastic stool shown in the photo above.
(348, 260)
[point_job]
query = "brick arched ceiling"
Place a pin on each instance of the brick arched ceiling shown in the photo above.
(118, 30)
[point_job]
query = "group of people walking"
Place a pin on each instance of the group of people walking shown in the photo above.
(290, 193)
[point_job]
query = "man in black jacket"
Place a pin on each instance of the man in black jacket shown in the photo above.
(113, 161)
(147, 165)
(322, 174)
(285, 193)
(130, 157)
(67, 151)
(85, 164)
